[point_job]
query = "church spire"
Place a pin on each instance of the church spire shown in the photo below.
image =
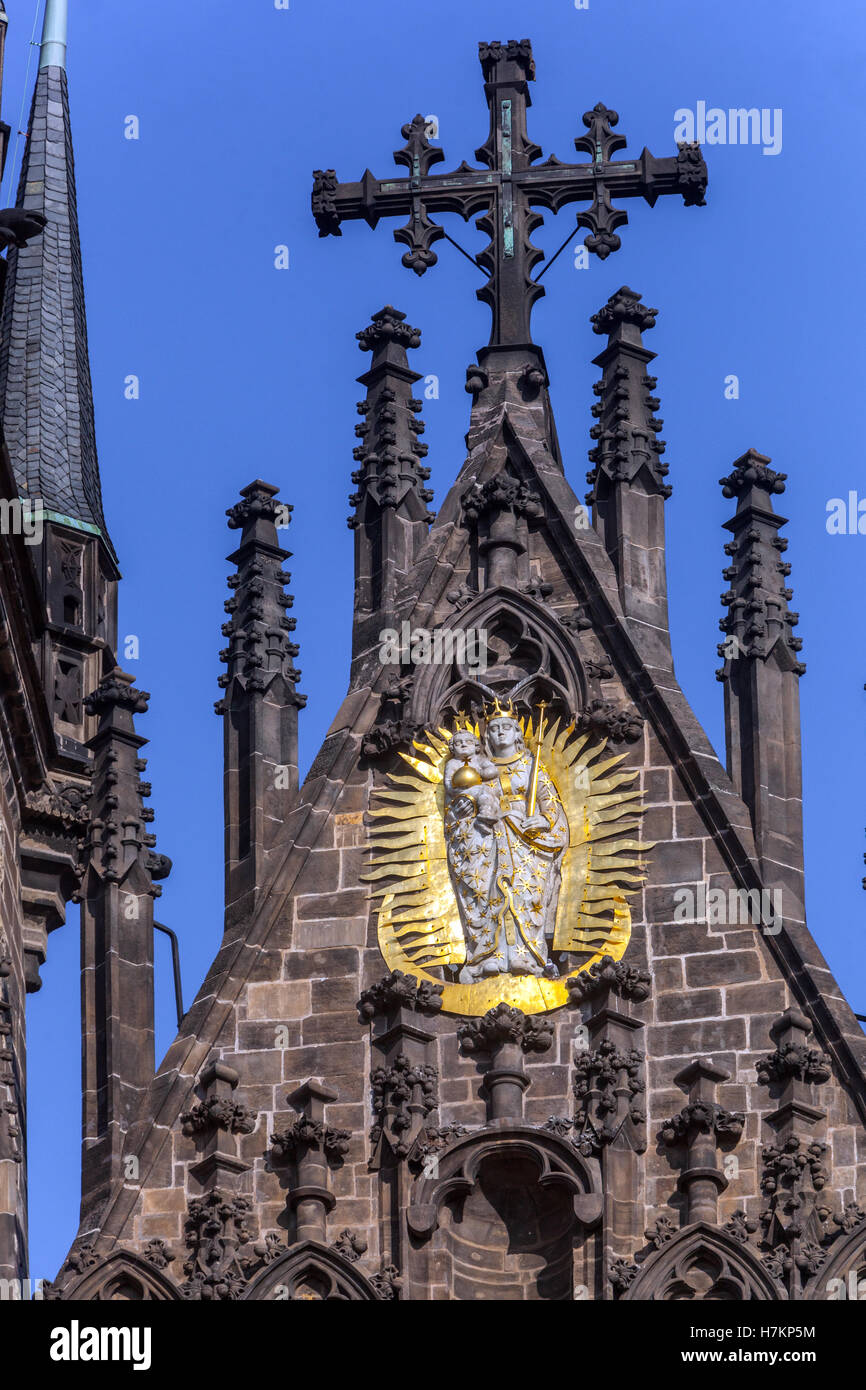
(52, 52)
(628, 490)
(46, 405)
(46, 398)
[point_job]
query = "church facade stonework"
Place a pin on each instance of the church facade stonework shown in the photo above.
(499, 1011)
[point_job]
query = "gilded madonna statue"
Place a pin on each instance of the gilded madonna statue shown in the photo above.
(503, 854)
(502, 858)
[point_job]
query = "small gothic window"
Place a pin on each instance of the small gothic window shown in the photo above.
(70, 611)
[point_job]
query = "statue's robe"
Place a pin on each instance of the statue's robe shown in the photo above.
(507, 882)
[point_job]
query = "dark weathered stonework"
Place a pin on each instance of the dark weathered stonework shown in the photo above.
(691, 1123)
(58, 620)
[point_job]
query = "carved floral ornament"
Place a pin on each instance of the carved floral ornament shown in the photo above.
(503, 857)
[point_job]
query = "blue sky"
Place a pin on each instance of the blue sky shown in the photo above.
(248, 371)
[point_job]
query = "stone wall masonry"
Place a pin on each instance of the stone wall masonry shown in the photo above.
(716, 993)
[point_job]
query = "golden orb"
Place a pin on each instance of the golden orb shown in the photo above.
(466, 776)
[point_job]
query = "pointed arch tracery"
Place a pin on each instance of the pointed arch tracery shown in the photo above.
(843, 1275)
(703, 1264)
(527, 650)
(311, 1273)
(123, 1277)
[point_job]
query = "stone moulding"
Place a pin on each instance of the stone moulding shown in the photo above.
(847, 1256)
(459, 1168)
(122, 1274)
(701, 1260)
(311, 1272)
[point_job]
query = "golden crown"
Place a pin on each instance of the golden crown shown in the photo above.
(495, 709)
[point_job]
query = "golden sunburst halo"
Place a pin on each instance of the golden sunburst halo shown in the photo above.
(417, 916)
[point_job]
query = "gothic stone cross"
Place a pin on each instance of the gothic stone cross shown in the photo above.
(507, 190)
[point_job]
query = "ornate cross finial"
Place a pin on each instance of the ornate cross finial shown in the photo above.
(508, 189)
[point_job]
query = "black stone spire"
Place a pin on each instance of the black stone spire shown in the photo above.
(757, 601)
(261, 702)
(627, 480)
(117, 895)
(46, 398)
(391, 518)
(391, 472)
(761, 675)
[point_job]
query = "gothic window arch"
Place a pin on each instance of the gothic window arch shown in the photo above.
(123, 1278)
(703, 1264)
(526, 651)
(843, 1274)
(311, 1273)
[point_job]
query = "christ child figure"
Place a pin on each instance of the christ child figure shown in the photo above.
(469, 774)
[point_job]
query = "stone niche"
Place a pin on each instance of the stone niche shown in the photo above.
(510, 1238)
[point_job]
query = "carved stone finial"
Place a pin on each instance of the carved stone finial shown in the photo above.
(752, 470)
(701, 1125)
(505, 1034)
(399, 991)
(218, 1110)
(628, 450)
(388, 326)
(623, 307)
(610, 721)
(314, 1146)
(117, 829)
(793, 1059)
(701, 1117)
(627, 981)
(501, 493)
(499, 510)
(793, 1069)
(214, 1122)
(505, 1025)
(310, 1131)
(259, 504)
(117, 691)
(259, 645)
(390, 470)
